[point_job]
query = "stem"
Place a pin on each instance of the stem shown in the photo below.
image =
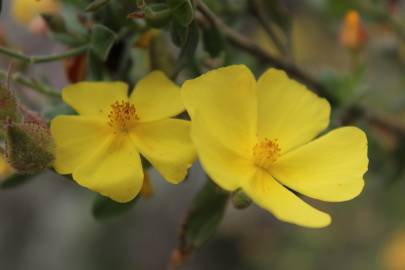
(42, 59)
(262, 17)
(32, 84)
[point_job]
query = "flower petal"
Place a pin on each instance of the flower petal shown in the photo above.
(226, 99)
(166, 144)
(288, 111)
(114, 171)
(76, 139)
(225, 166)
(330, 168)
(285, 205)
(94, 98)
(156, 97)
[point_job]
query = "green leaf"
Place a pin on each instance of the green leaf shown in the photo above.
(203, 217)
(102, 40)
(182, 10)
(96, 5)
(188, 48)
(157, 15)
(213, 40)
(104, 208)
(16, 180)
(56, 23)
(178, 34)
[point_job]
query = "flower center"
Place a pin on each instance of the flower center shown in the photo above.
(122, 115)
(265, 153)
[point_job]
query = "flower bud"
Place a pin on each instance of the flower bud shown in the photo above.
(29, 145)
(353, 35)
(240, 200)
(8, 107)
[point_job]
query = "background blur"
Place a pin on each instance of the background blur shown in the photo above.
(47, 222)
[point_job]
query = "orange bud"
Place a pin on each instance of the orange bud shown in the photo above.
(353, 35)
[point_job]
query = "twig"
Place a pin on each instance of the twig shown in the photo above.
(32, 84)
(261, 16)
(252, 48)
(42, 59)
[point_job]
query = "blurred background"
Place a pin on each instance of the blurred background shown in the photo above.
(356, 49)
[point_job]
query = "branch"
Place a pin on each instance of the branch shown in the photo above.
(32, 84)
(42, 59)
(261, 16)
(250, 47)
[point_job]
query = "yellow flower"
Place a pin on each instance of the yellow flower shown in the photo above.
(24, 11)
(258, 136)
(100, 147)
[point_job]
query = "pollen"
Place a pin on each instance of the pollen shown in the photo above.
(122, 115)
(266, 152)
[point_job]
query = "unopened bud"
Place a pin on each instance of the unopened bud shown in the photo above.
(29, 146)
(8, 107)
(353, 35)
(240, 200)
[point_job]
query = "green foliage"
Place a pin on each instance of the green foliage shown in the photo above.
(95, 5)
(157, 15)
(105, 208)
(101, 41)
(203, 217)
(182, 10)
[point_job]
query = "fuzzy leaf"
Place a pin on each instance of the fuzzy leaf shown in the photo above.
(182, 10)
(102, 40)
(203, 218)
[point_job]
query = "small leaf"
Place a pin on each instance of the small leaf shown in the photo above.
(182, 10)
(178, 34)
(189, 47)
(56, 23)
(15, 180)
(202, 220)
(157, 15)
(104, 207)
(214, 41)
(96, 5)
(102, 40)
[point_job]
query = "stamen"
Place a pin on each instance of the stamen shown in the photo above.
(266, 153)
(122, 115)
